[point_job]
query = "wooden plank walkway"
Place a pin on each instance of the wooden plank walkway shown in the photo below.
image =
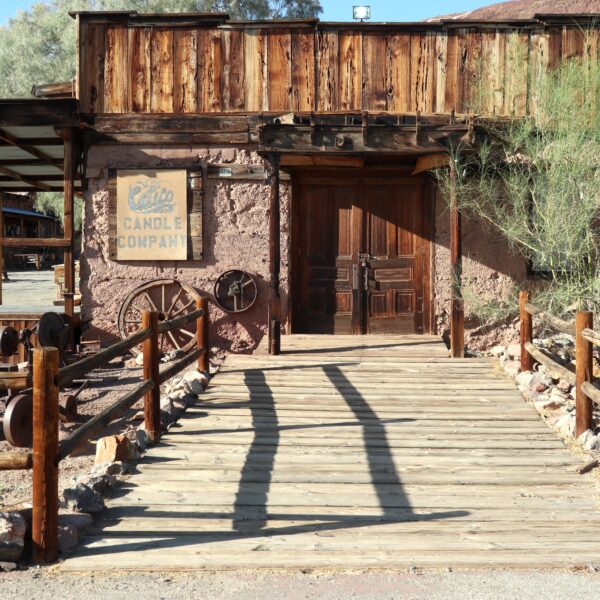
(352, 453)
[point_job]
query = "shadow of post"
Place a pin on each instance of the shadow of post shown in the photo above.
(260, 457)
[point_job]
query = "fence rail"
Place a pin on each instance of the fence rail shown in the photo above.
(47, 378)
(586, 394)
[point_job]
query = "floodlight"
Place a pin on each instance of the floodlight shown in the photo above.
(361, 13)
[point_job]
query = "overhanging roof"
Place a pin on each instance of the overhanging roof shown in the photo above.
(31, 146)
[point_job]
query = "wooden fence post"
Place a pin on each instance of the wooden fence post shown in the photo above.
(457, 306)
(44, 526)
(151, 371)
(202, 335)
(526, 331)
(584, 408)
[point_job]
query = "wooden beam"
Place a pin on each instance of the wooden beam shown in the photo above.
(1, 247)
(30, 162)
(37, 178)
(457, 318)
(274, 316)
(33, 112)
(27, 146)
(35, 242)
(152, 422)
(18, 177)
(526, 331)
(71, 152)
(428, 163)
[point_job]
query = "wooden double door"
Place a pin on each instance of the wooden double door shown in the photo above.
(361, 255)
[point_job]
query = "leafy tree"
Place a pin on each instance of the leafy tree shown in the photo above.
(38, 46)
(536, 182)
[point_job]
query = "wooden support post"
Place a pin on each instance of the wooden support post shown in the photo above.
(202, 336)
(70, 165)
(1, 247)
(274, 316)
(526, 331)
(151, 371)
(457, 317)
(44, 526)
(584, 407)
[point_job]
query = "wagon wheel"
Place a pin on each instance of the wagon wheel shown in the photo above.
(235, 291)
(170, 298)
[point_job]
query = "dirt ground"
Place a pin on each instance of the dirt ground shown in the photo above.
(104, 388)
(38, 584)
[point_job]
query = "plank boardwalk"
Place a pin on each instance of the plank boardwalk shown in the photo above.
(344, 453)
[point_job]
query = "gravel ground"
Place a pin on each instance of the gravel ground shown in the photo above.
(36, 584)
(104, 388)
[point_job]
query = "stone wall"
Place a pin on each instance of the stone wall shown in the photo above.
(491, 273)
(235, 231)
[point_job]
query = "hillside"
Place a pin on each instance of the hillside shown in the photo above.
(526, 9)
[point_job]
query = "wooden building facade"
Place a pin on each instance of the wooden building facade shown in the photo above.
(307, 147)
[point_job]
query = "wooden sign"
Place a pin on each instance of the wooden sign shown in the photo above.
(152, 215)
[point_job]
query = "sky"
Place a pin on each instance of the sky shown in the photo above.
(336, 10)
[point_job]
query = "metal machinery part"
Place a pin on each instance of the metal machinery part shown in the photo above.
(235, 291)
(17, 423)
(9, 341)
(170, 298)
(53, 331)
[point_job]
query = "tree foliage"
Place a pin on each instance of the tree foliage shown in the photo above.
(537, 183)
(38, 46)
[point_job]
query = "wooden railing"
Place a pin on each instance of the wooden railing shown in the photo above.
(47, 452)
(582, 377)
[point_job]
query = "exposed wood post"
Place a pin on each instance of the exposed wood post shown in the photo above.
(457, 317)
(70, 165)
(44, 526)
(584, 407)
(1, 247)
(526, 321)
(202, 335)
(151, 371)
(274, 317)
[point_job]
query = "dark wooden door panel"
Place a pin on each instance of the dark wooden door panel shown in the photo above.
(344, 224)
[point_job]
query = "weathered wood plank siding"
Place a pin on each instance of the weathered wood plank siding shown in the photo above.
(162, 64)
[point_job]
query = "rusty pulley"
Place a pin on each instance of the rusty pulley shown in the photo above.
(235, 291)
(17, 423)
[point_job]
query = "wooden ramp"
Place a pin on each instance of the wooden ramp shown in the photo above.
(352, 453)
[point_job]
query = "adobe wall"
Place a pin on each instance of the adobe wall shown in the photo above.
(491, 272)
(235, 236)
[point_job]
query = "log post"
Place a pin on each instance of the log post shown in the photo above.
(70, 166)
(151, 371)
(1, 247)
(584, 407)
(457, 317)
(202, 337)
(526, 321)
(44, 526)
(274, 316)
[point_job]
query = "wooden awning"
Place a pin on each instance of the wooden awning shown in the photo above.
(32, 143)
(364, 133)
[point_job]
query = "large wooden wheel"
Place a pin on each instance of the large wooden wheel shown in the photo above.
(170, 298)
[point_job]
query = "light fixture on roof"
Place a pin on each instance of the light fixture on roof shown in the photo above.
(361, 13)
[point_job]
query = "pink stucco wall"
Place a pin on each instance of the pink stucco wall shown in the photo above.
(235, 231)
(236, 235)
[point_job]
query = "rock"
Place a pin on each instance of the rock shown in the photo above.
(7, 566)
(214, 368)
(585, 436)
(139, 360)
(514, 351)
(593, 443)
(525, 379)
(195, 381)
(115, 448)
(539, 387)
(100, 483)
(12, 536)
(557, 395)
(564, 386)
(512, 368)
(566, 425)
(139, 437)
(68, 536)
(83, 499)
(78, 520)
(173, 355)
(498, 351)
(547, 405)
